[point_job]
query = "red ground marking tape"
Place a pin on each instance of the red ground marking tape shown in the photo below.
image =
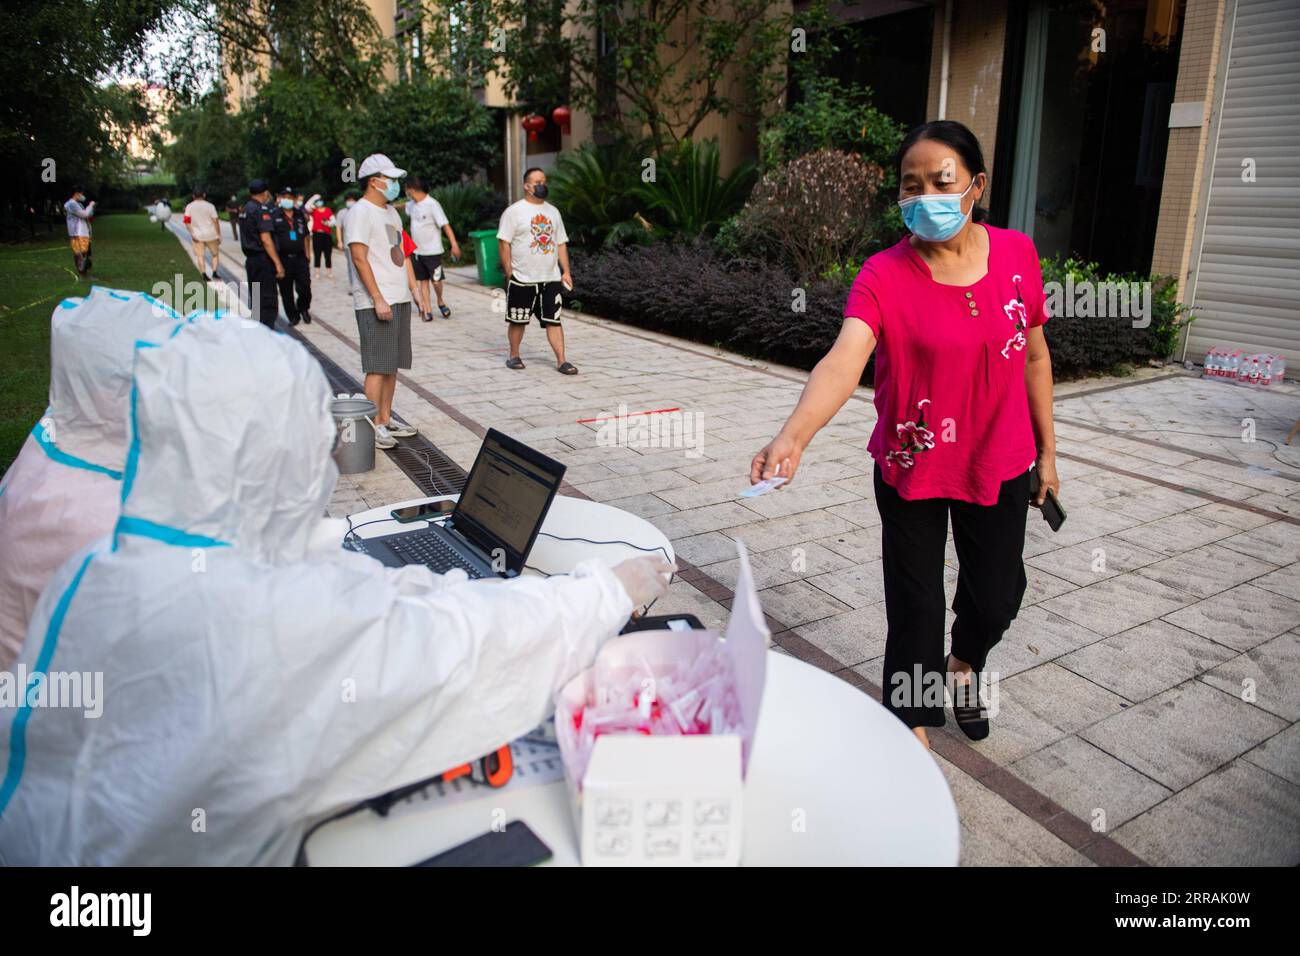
(657, 411)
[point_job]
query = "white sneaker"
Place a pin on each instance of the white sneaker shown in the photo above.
(383, 439)
(399, 430)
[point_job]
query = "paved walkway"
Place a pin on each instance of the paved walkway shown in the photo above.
(1148, 697)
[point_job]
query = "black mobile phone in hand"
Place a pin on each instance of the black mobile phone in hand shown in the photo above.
(1051, 508)
(1053, 513)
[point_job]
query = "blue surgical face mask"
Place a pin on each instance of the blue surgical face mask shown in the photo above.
(934, 217)
(286, 203)
(392, 189)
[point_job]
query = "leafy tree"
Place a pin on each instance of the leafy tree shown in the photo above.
(208, 148)
(294, 127)
(55, 107)
(340, 44)
(430, 125)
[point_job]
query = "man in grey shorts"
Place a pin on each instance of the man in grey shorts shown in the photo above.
(381, 290)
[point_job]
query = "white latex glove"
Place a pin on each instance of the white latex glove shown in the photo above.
(644, 579)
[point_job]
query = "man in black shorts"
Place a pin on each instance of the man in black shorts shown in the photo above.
(535, 256)
(428, 224)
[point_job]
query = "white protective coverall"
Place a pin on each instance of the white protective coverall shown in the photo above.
(255, 674)
(64, 489)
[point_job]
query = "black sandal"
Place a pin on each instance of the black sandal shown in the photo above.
(972, 716)
(515, 362)
(446, 312)
(567, 368)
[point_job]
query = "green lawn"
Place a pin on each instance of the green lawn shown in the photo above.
(130, 253)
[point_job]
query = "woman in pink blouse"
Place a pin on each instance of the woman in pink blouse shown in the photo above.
(963, 396)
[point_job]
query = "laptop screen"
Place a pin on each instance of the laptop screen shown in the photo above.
(506, 496)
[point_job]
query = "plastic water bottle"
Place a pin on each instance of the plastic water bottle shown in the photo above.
(1211, 363)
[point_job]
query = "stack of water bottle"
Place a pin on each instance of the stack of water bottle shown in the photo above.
(1234, 365)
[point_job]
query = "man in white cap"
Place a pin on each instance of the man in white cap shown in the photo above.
(381, 290)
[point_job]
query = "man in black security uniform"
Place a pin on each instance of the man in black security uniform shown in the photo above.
(293, 243)
(262, 264)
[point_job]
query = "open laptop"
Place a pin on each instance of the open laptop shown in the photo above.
(495, 522)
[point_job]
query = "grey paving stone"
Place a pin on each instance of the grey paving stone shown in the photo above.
(1090, 783)
(1177, 533)
(1094, 560)
(1035, 637)
(1279, 755)
(1240, 618)
(708, 548)
(852, 637)
(1183, 734)
(1227, 514)
(643, 506)
(764, 534)
(1239, 816)
(608, 489)
(699, 520)
(779, 566)
(799, 603)
(1287, 505)
(799, 499)
(873, 670)
(1118, 603)
(862, 513)
(1285, 581)
(683, 598)
(856, 585)
(698, 495)
(1032, 709)
(1042, 586)
(994, 833)
(1146, 660)
(1206, 570)
(857, 546)
(1277, 543)
(1273, 672)
(1085, 523)
(1265, 479)
(1152, 503)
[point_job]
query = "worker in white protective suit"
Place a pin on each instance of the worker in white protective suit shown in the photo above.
(64, 489)
(255, 675)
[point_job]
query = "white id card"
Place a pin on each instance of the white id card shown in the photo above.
(762, 487)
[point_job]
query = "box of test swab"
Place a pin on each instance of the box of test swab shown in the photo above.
(656, 737)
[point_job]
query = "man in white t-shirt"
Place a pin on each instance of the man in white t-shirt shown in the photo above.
(381, 291)
(204, 226)
(428, 223)
(78, 217)
(340, 232)
(535, 257)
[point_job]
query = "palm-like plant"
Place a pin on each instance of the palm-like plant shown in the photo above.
(596, 187)
(690, 198)
(461, 201)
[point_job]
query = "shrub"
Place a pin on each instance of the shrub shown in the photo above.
(596, 188)
(833, 116)
(461, 202)
(811, 213)
(693, 291)
(1083, 344)
(690, 197)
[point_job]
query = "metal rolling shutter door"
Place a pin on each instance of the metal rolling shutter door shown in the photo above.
(1248, 289)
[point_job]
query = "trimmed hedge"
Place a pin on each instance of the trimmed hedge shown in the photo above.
(693, 291)
(699, 292)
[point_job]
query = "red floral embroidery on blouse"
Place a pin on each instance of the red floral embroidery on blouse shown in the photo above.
(913, 437)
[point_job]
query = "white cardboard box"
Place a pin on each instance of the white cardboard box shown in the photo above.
(670, 801)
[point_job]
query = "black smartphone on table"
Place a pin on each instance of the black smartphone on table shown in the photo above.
(427, 511)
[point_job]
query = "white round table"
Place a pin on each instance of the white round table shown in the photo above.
(834, 778)
(567, 518)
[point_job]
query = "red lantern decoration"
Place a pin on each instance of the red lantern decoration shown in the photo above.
(534, 124)
(562, 116)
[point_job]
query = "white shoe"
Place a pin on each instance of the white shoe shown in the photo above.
(383, 439)
(400, 430)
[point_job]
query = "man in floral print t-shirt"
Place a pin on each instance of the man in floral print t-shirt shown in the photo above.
(953, 414)
(535, 257)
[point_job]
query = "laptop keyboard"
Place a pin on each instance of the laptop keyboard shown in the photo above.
(433, 551)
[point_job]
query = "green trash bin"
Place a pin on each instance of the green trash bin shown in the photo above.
(486, 258)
